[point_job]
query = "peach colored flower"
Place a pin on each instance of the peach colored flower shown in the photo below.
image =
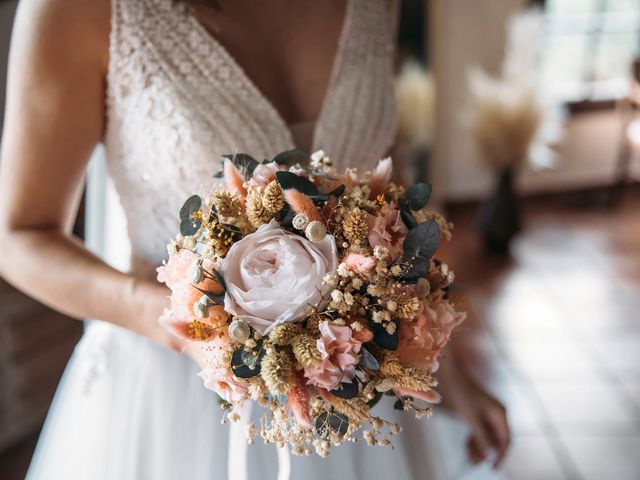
(360, 264)
(421, 341)
(340, 355)
(218, 379)
(274, 276)
(265, 173)
(387, 230)
(175, 274)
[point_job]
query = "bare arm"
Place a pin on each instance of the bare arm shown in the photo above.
(55, 117)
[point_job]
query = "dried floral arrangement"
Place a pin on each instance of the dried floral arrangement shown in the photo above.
(312, 293)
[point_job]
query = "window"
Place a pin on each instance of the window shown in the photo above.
(589, 49)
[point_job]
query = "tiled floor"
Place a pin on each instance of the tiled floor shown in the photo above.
(559, 323)
(559, 327)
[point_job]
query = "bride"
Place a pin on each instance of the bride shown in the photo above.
(168, 86)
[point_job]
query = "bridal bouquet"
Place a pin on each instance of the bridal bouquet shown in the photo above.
(313, 293)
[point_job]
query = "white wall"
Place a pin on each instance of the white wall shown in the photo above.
(472, 32)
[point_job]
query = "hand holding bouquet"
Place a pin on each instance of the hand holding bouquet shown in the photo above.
(313, 293)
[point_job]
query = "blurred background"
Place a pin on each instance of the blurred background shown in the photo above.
(524, 116)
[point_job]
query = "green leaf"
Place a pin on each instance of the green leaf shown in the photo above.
(218, 298)
(291, 157)
(337, 192)
(417, 196)
(247, 364)
(346, 390)
(420, 245)
(408, 219)
(328, 422)
(189, 226)
(367, 360)
(191, 205)
(289, 180)
(383, 338)
(374, 401)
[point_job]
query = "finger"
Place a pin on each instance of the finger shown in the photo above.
(475, 453)
(479, 443)
(498, 432)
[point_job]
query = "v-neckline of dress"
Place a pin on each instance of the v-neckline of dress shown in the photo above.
(259, 96)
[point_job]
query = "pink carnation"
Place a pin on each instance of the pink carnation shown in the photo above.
(360, 264)
(265, 173)
(340, 355)
(388, 230)
(421, 340)
(222, 382)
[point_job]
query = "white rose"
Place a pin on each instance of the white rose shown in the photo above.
(274, 276)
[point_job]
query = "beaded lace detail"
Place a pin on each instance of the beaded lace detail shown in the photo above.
(177, 101)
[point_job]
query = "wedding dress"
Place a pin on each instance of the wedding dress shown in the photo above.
(126, 408)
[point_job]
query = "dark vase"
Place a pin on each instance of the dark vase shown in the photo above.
(499, 218)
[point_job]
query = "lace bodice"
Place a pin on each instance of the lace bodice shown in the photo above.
(177, 101)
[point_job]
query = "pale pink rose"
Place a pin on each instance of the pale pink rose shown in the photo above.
(222, 382)
(387, 230)
(340, 355)
(421, 341)
(274, 276)
(175, 274)
(265, 173)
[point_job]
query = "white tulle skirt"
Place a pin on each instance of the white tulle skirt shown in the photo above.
(128, 409)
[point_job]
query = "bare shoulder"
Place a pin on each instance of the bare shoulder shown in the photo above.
(63, 31)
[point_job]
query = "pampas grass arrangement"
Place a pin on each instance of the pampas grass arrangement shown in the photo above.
(511, 124)
(415, 98)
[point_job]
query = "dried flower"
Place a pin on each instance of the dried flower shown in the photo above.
(284, 334)
(227, 204)
(239, 331)
(355, 226)
(277, 371)
(316, 231)
(306, 351)
(257, 213)
(273, 198)
(408, 308)
(300, 221)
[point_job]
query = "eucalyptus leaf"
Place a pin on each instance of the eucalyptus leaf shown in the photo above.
(328, 422)
(189, 226)
(286, 216)
(346, 390)
(417, 196)
(191, 205)
(218, 298)
(398, 405)
(218, 174)
(383, 338)
(219, 279)
(374, 401)
(337, 192)
(408, 219)
(420, 245)
(291, 157)
(367, 360)
(289, 180)
(247, 364)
